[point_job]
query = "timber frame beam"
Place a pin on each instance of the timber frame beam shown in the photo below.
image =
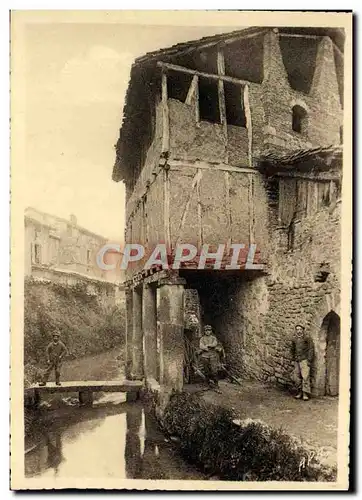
(181, 69)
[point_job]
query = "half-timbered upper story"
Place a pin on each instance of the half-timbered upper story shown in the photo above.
(203, 113)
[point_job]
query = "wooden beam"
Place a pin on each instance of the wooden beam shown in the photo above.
(246, 105)
(251, 210)
(199, 211)
(220, 62)
(165, 116)
(195, 180)
(298, 35)
(179, 164)
(221, 93)
(228, 208)
(192, 90)
(193, 95)
(166, 212)
(181, 69)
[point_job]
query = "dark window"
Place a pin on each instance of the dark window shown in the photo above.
(209, 101)
(299, 119)
(234, 104)
(178, 85)
(341, 134)
(37, 253)
(88, 256)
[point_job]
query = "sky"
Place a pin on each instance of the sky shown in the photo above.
(76, 76)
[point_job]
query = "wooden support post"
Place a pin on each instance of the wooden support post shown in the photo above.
(228, 210)
(137, 336)
(199, 209)
(171, 320)
(251, 209)
(249, 127)
(165, 116)
(166, 201)
(193, 97)
(149, 316)
(221, 95)
(129, 333)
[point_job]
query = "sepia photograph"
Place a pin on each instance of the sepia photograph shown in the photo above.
(181, 245)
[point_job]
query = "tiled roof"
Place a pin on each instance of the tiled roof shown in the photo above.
(321, 157)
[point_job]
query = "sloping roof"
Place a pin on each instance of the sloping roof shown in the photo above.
(336, 35)
(321, 158)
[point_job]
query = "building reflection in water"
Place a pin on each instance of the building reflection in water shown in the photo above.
(146, 455)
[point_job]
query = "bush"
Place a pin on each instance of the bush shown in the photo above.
(248, 450)
(87, 324)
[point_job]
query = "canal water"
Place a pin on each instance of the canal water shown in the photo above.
(113, 439)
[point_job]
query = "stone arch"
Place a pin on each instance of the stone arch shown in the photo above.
(329, 306)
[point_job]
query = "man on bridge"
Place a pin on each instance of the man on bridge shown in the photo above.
(55, 352)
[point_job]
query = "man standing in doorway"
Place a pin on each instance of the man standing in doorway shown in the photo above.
(210, 350)
(302, 352)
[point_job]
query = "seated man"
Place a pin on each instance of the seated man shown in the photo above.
(210, 351)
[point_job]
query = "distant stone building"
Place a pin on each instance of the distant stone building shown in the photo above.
(237, 138)
(56, 245)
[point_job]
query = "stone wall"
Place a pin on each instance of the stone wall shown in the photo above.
(257, 315)
(322, 103)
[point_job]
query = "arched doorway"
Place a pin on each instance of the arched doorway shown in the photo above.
(327, 356)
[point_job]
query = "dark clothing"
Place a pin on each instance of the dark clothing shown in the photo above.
(210, 365)
(302, 348)
(55, 351)
(53, 365)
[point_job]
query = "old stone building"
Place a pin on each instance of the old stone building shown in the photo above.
(55, 246)
(237, 139)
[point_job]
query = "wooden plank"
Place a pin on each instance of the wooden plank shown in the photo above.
(228, 209)
(90, 385)
(211, 76)
(195, 180)
(166, 207)
(192, 90)
(177, 164)
(199, 211)
(251, 210)
(165, 116)
(220, 62)
(246, 106)
(221, 94)
(296, 35)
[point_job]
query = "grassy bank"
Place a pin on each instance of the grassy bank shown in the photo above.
(89, 323)
(244, 451)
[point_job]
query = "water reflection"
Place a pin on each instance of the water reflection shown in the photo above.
(113, 441)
